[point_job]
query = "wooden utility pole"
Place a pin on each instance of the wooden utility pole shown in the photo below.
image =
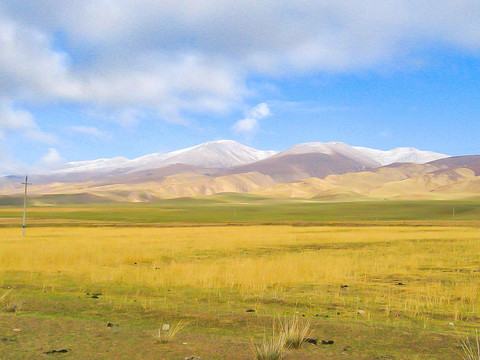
(24, 204)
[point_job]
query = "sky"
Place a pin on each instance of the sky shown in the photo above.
(82, 80)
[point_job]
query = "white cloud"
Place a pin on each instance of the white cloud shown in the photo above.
(250, 123)
(245, 125)
(259, 111)
(50, 161)
(194, 57)
(18, 120)
(29, 67)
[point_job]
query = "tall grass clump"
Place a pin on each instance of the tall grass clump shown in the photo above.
(4, 298)
(165, 336)
(8, 303)
(271, 349)
(471, 350)
(295, 331)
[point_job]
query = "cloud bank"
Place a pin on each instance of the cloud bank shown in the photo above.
(180, 59)
(195, 57)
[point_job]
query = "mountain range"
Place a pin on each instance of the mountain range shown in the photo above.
(326, 171)
(223, 154)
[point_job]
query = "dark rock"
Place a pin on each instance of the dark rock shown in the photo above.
(310, 341)
(250, 310)
(111, 325)
(327, 342)
(94, 297)
(399, 283)
(343, 286)
(61, 351)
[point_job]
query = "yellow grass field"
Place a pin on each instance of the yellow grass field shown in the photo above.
(421, 276)
(439, 266)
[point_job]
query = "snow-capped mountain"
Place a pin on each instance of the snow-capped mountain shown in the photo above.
(372, 157)
(332, 148)
(401, 154)
(213, 154)
(223, 154)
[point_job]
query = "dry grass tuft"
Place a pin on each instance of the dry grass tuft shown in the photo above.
(471, 350)
(295, 331)
(271, 349)
(8, 303)
(165, 336)
(5, 297)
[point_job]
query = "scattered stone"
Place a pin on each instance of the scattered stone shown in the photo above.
(343, 286)
(400, 283)
(61, 351)
(193, 358)
(111, 325)
(361, 312)
(165, 327)
(250, 310)
(310, 341)
(451, 324)
(17, 330)
(346, 348)
(93, 295)
(327, 342)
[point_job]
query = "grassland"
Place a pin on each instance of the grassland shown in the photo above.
(240, 208)
(380, 292)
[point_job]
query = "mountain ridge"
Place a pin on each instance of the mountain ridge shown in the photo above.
(222, 154)
(450, 178)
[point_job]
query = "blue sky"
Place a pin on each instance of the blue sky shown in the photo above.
(88, 79)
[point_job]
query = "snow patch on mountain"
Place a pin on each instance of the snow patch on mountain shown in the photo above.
(367, 156)
(95, 165)
(213, 154)
(401, 154)
(332, 148)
